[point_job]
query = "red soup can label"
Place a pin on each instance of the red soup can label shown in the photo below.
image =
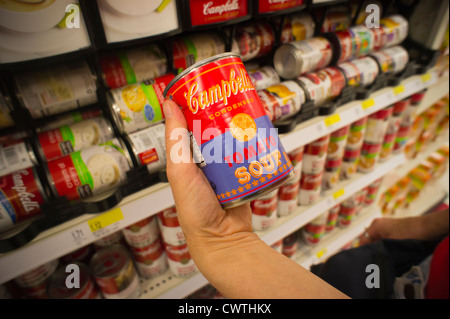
(240, 151)
(204, 12)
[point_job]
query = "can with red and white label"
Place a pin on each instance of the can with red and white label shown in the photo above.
(253, 40)
(360, 72)
(338, 142)
(310, 188)
(138, 106)
(180, 261)
(295, 58)
(332, 217)
(115, 274)
(296, 157)
(377, 125)
(288, 198)
(133, 65)
(21, 195)
(264, 211)
(69, 119)
(34, 283)
(151, 260)
(296, 27)
(396, 29)
(263, 77)
(391, 60)
(314, 155)
(283, 100)
(76, 137)
(331, 173)
(356, 134)
(315, 229)
(350, 163)
(346, 215)
(290, 245)
(217, 95)
(170, 228)
(364, 39)
(392, 130)
(58, 288)
(89, 172)
(142, 233)
(369, 156)
(148, 147)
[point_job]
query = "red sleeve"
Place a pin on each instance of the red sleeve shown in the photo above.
(437, 287)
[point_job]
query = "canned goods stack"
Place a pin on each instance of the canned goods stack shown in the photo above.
(313, 165)
(288, 193)
(353, 147)
(290, 244)
(314, 231)
(376, 128)
(263, 77)
(264, 211)
(297, 27)
(392, 129)
(180, 261)
(335, 155)
(332, 218)
(253, 40)
(143, 239)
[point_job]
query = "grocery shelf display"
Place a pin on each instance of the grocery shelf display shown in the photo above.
(91, 114)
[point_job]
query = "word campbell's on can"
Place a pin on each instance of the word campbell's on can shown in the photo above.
(226, 117)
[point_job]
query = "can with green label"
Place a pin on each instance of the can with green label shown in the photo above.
(91, 171)
(138, 106)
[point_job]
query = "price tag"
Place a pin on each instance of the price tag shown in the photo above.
(321, 253)
(338, 194)
(367, 104)
(333, 119)
(399, 90)
(426, 77)
(104, 220)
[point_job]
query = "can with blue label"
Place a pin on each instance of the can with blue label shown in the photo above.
(241, 153)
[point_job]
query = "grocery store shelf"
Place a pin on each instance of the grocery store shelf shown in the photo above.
(79, 232)
(331, 243)
(317, 127)
(181, 287)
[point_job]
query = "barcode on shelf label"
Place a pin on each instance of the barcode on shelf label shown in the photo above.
(104, 220)
(338, 194)
(367, 104)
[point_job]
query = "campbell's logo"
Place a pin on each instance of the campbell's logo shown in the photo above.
(199, 100)
(25, 197)
(230, 5)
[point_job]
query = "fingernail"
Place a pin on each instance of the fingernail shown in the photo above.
(167, 109)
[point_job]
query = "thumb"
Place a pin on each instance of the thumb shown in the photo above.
(177, 138)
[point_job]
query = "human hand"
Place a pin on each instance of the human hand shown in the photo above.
(200, 214)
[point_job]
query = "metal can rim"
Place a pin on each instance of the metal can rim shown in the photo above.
(198, 65)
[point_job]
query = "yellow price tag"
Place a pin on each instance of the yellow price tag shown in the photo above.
(321, 253)
(399, 89)
(333, 119)
(426, 77)
(339, 193)
(105, 219)
(368, 103)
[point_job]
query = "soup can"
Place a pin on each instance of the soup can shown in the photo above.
(377, 124)
(69, 119)
(115, 274)
(217, 95)
(391, 60)
(332, 217)
(89, 172)
(395, 28)
(169, 225)
(253, 40)
(314, 155)
(315, 229)
(76, 137)
(331, 174)
(50, 91)
(151, 260)
(310, 188)
(369, 156)
(16, 155)
(288, 198)
(264, 211)
(338, 141)
(360, 72)
(297, 27)
(295, 58)
(296, 157)
(58, 288)
(364, 39)
(34, 283)
(263, 77)
(283, 100)
(21, 195)
(149, 147)
(180, 261)
(138, 106)
(290, 245)
(356, 134)
(133, 65)
(349, 163)
(142, 233)
(346, 215)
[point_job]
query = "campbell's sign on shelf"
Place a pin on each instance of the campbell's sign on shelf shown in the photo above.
(215, 11)
(266, 6)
